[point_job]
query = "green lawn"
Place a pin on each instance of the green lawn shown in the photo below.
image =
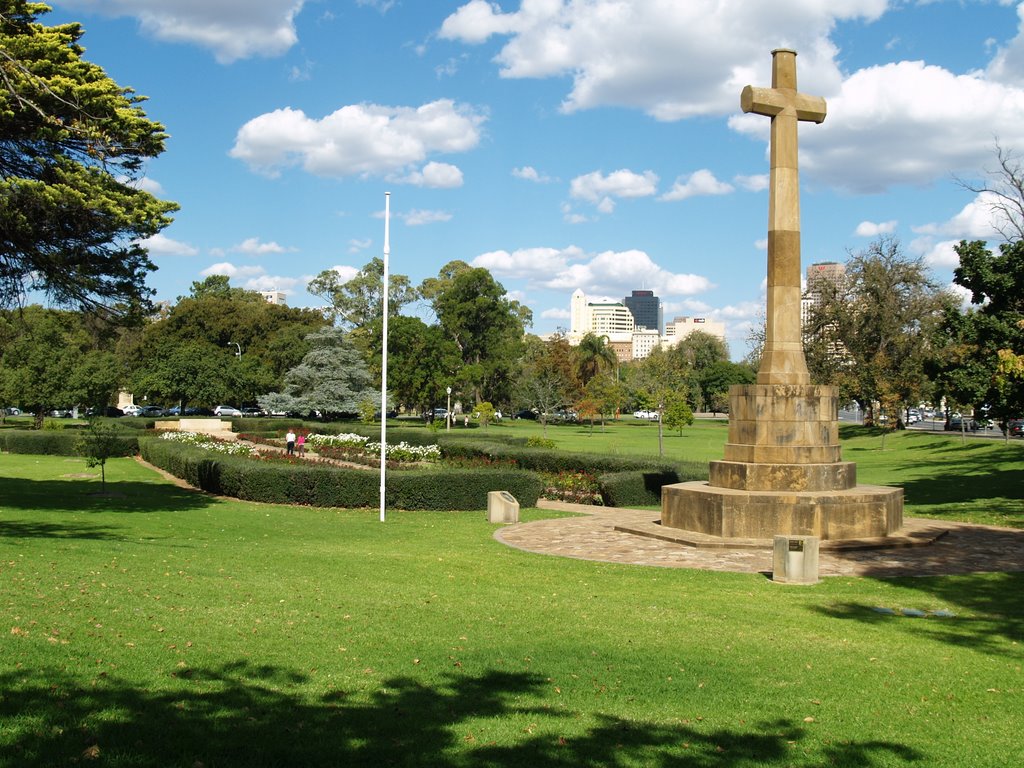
(160, 627)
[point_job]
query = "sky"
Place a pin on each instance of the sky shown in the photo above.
(561, 144)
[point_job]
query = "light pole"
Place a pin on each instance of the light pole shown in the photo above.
(238, 354)
(448, 411)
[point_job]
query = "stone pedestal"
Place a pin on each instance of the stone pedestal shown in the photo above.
(783, 474)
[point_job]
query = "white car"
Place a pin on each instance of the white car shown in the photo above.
(131, 409)
(226, 410)
(648, 415)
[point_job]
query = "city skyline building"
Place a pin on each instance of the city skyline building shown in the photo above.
(646, 309)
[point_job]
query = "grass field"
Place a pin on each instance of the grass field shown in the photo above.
(161, 627)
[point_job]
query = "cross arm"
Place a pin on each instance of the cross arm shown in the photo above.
(772, 101)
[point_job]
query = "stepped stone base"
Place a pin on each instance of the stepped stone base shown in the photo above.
(854, 513)
(783, 474)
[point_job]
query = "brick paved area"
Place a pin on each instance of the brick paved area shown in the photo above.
(961, 548)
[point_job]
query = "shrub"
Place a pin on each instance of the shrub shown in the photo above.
(321, 485)
(55, 443)
(574, 487)
(637, 488)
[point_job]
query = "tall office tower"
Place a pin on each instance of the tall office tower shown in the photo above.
(646, 310)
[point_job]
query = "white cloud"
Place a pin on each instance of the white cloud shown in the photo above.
(435, 175)
(556, 313)
(253, 247)
(231, 29)
(975, 221)
(874, 229)
(939, 255)
(614, 273)
(697, 184)
(601, 190)
(358, 140)
(345, 273)
(357, 246)
(904, 123)
(417, 217)
(756, 183)
(161, 245)
(628, 53)
(233, 270)
(529, 173)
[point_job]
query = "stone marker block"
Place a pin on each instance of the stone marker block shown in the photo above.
(502, 507)
(795, 560)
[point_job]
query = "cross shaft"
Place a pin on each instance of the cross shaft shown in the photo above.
(782, 361)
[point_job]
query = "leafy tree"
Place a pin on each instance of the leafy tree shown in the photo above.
(71, 155)
(99, 442)
(606, 393)
(870, 333)
(422, 363)
(981, 346)
(593, 356)
(654, 382)
(209, 324)
(332, 379)
(432, 287)
(488, 330)
(358, 303)
(677, 412)
(713, 383)
(547, 381)
(484, 411)
(40, 360)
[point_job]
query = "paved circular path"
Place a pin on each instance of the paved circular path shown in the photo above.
(965, 548)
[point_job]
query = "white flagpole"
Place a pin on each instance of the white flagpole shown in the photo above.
(384, 355)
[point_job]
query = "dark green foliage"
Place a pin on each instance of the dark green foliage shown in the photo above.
(323, 485)
(639, 488)
(56, 442)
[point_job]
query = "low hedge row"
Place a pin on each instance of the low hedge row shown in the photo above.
(55, 442)
(321, 485)
(625, 481)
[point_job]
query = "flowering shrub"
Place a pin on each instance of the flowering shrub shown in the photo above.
(352, 446)
(208, 443)
(574, 487)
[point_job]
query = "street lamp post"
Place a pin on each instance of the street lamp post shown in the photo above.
(448, 411)
(238, 354)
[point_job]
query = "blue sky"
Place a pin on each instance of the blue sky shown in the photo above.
(592, 144)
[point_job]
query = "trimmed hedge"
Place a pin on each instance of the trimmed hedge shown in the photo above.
(638, 488)
(54, 442)
(625, 480)
(328, 486)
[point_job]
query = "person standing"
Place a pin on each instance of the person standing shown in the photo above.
(300, 444)
(289, 442)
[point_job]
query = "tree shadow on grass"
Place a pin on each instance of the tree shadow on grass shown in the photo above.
(22, 529)
(254, 716)
(987, 610)
(82, 495)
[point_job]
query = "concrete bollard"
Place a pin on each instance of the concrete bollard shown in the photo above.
(795, 560)
(502, 507)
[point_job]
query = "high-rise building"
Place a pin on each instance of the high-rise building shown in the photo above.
(681, 327)
(831, 271)
(646, 310)
(274, 297)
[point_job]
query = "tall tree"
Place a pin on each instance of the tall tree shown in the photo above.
(593, 356)
(871, 332)
(422, 364)
(980, 345)
(72, 150)
(488, 330)
(357, 304)
(332, 379)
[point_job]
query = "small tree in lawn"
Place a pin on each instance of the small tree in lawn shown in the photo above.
(484, 412)
(677, 413)
(99, 442)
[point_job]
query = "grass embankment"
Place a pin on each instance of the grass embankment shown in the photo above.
(156, 627)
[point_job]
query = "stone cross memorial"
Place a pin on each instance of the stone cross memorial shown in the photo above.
(782, 473)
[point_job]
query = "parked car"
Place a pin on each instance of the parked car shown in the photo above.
(198, 411)
(150, 411)
(61, 413)
(1015, 427)
(253, 412)
(12, 411)
(108, 411)
(526, 414)
(226, 411)
(961, 424)
(131, 409)
(647, 415)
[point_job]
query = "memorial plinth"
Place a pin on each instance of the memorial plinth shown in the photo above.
(783, 472)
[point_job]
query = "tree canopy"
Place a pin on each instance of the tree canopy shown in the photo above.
(72, 150)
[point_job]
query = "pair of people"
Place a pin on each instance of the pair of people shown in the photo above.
(293, 443)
